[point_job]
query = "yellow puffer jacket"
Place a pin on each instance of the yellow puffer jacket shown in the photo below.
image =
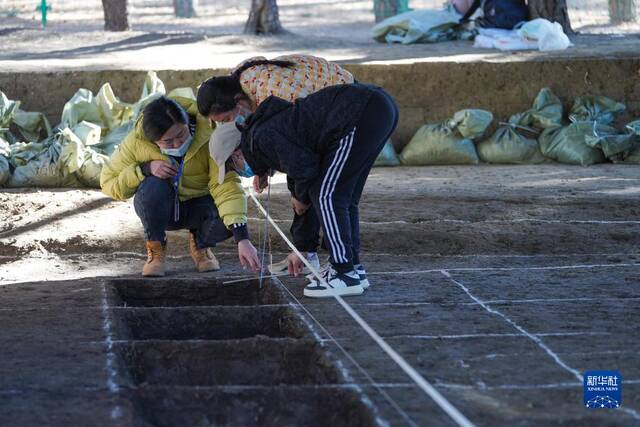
(122, 174)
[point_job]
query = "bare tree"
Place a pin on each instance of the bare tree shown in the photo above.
(184, 8)
(622, 10)
(552, 10)
(263, 18)
(115, 15)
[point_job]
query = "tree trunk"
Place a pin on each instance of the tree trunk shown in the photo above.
(115, 15)
(552, 10)
(263, 18)
(184, 8)
(384, 9)
(622, 10)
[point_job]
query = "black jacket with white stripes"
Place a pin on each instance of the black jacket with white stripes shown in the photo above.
(293, 137)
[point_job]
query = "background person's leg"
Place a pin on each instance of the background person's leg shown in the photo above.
(200, 216)
(305, 228)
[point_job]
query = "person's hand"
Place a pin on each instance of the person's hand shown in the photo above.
(248, 255)
(296, 266)
(260, 183)
(162, 169)
(299, 207)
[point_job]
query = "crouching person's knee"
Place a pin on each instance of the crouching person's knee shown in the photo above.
(153, 194)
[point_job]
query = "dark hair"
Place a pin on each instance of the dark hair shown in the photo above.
(220, 94)
(159, 115)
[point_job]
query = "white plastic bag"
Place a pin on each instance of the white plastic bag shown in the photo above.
(548, 35)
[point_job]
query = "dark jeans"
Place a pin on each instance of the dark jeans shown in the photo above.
(154, 204)
(336, 195)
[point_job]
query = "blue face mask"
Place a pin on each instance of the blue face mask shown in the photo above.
(180, 151)
(240, 119)
(247, 172)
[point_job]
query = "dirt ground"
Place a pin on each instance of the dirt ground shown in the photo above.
(500, 285)
(337, 30)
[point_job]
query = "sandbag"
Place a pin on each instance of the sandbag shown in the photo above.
(438, 145)
(546, 112)
(33, 126)
(632, 156)
(5, 169)
(471, 123)
(508, 146)
(8, 110)
(387, 156)
(81, 107)
(80, 159)
(568, 144)
(43, 167)
(448, 143)
(595, 108)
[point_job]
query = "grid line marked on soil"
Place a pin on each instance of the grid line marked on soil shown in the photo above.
(112, 385)
(523, 331)
(543, 268)
(532, 337)
(489, 221)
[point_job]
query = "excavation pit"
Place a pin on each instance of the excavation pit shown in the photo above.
(271, 406)
(199, 323)
(252, 361)
(192, 293)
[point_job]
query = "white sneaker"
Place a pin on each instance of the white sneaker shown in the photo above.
(283, 266)
(364, 281)
(341, 284)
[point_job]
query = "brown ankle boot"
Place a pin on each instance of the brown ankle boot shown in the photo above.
(154, 267)
(204, 259)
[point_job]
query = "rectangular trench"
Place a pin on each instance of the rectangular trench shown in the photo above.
(201, 353)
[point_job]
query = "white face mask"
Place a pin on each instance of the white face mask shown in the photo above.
(180, 151)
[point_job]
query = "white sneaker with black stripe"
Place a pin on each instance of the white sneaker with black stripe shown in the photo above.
(340, 284)
(364, 281)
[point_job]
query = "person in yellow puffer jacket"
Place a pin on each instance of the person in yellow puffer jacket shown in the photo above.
(289, 77)
(164, 164)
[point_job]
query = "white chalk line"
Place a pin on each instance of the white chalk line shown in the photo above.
(489, 221)
(483, 386)
(534, 338)
(497, 301)
(438, 398)
(112, 385)
(541, 268)
(497, 335)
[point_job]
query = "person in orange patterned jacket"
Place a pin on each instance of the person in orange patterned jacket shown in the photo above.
(236, 96)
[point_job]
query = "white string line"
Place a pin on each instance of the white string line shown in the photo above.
(426, 387)
(542, 268)
(532, 337)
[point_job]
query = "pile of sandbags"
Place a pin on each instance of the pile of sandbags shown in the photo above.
(71, 155)
(539, 134)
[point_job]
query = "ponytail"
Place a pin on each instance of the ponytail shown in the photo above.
(220, 94)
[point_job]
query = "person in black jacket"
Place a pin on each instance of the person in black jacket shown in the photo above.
(326, 143)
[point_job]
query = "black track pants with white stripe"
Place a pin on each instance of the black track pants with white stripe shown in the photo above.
(336, 194)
